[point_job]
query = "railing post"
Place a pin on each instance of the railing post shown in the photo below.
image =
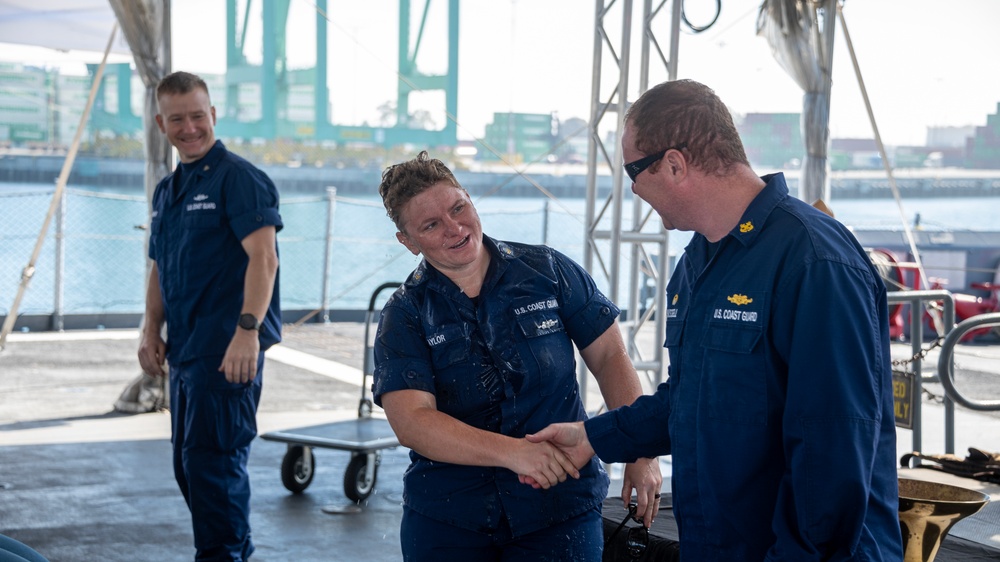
(946, 362)
(331, 209)
(949, 403)
(916, 299)
(60, 259)
(916, 340)
(545, 223)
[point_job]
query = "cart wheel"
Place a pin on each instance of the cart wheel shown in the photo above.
(356, 487)
(296, 473)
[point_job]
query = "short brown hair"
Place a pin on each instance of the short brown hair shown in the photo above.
(180, 83)
(685, 112)
(404, 181)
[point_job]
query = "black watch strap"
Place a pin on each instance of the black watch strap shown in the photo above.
(249, 322)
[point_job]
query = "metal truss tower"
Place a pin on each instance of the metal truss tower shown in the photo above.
(607, 236)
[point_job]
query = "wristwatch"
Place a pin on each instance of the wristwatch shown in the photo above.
(249, 322)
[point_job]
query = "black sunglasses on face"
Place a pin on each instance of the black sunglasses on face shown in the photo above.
(633, 169)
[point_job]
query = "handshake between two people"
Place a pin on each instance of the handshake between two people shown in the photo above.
(553, 454)
(560, 450)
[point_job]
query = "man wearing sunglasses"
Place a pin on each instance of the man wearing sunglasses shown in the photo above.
(778, 404)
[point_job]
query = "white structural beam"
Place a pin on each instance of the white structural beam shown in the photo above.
(609, 237)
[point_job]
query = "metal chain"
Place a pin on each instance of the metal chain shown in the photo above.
(922, 354)
(932, 397)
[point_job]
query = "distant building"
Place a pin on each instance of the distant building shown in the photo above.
(949, 137)
(573, 139)
(39, 108)
(854, 154)
(928, 157)
(983, 149)
(42, 108)
(24, 104)
(69, 94)
(772, 140)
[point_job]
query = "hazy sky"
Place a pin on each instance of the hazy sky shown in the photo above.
(924, 62)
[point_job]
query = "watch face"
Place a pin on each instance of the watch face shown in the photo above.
(249, 322)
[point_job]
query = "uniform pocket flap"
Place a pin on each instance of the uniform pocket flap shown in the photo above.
(734, 339)
(207, 220)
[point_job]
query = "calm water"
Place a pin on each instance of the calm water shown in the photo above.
(104, 242)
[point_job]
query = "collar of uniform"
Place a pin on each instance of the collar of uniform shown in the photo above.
(499, 251)
(760, 208)
(208, 162)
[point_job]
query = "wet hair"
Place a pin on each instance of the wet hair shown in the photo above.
(180, 83)
(404, 181)
(686, 112)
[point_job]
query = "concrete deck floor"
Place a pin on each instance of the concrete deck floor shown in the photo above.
(79, 482)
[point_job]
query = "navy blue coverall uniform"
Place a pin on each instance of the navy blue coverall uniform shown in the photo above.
(778, 407)
(201, 212)
(504, 363)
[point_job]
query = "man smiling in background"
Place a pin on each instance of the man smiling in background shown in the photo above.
(214, 284)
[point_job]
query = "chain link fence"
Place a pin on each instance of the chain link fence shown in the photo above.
(92, 260)
(334, 250)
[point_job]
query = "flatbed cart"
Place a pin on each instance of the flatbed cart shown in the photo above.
(364, 437)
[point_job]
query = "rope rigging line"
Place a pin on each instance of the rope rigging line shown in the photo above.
(935, 315)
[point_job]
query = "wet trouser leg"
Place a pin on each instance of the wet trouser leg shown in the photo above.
(580, 538)
(213, 424)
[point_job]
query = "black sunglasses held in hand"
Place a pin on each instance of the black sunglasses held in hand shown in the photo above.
(637, 538)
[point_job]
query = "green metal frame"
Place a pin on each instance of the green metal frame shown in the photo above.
(275, 80)
(122, 119)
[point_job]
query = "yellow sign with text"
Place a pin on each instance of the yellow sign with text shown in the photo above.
(902, 399)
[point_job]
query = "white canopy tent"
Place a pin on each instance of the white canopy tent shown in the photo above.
(80, 25)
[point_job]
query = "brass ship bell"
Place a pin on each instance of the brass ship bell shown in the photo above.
(928, 510)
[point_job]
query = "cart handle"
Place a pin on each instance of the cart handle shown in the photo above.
(368, 323)
(379, 289)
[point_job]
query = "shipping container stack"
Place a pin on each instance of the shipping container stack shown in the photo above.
(772, 140)
(984, 148)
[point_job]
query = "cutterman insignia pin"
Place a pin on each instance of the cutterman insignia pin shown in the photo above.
(739, 299)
